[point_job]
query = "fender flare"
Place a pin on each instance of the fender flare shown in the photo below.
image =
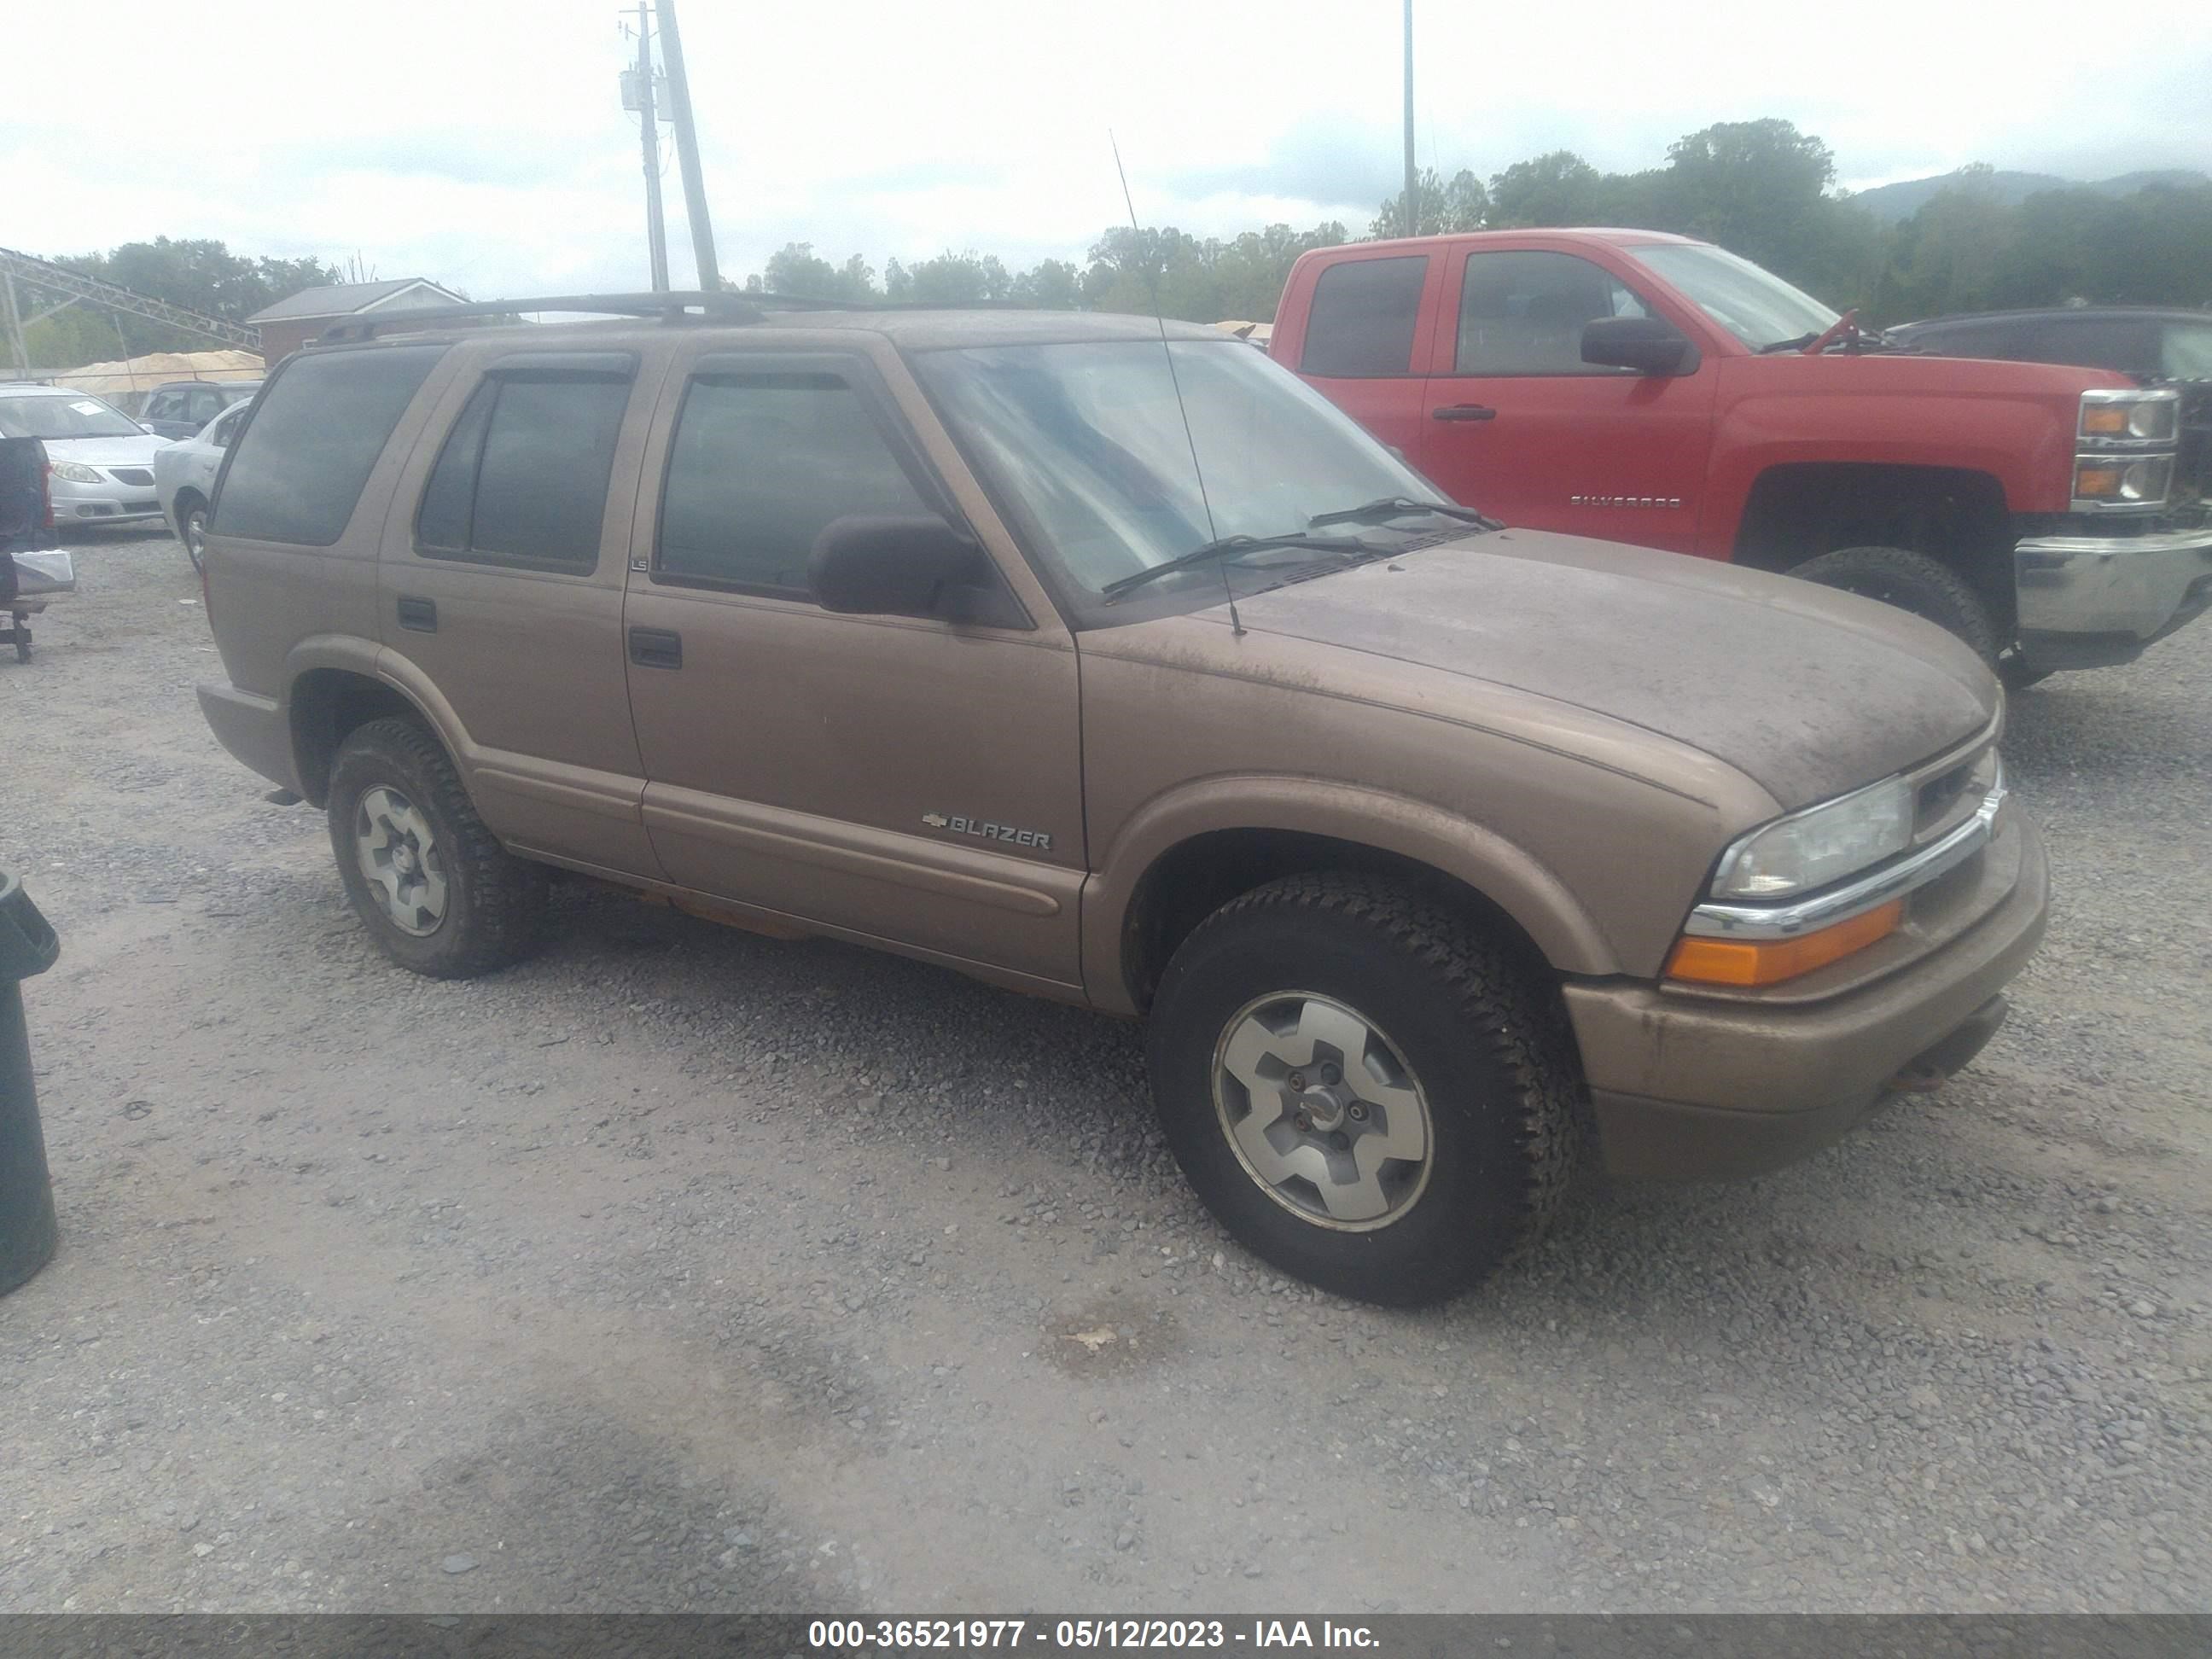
(1506, 874)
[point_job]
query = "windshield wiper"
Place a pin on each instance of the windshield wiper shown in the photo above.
(1229, 547)
(1797, 343)
(1386, 507)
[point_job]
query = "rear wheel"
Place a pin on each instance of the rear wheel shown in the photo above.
(192, 526)
(1368, 1094)
(1911, 581)
(432, 885)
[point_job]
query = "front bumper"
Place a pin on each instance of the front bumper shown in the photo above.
(2093, 601)
(111, 501)
(1698, 1088)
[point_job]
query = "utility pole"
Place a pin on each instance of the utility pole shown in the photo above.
(1413, 200)
(687, 150)
(15, 345)
(656, 228)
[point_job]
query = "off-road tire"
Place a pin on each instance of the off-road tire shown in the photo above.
(1487, 1037)
(495, 901)
(1911, 581)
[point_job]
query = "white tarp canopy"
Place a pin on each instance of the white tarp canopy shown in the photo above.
(122, 383)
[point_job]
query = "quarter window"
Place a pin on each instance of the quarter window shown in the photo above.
(522, 478)
(298, 468)
(1523, 312)
(760, 463)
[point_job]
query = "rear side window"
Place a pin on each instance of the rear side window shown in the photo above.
(1361, 326)
(759, 465)
(297, 472)
(522, 478)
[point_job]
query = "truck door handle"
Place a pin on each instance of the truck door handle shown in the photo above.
(421, 615)
(656, 647)
(1464, 412)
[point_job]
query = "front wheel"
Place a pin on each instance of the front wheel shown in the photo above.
(432, 885)
(1911, 581)
(1369, 1094)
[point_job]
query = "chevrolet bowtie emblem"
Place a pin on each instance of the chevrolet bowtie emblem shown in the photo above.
(935, 820)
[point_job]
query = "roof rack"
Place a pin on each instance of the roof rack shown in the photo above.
(669, 306)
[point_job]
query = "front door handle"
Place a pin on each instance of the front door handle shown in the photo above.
(420, 614)
(656, 647)
(1464, 412)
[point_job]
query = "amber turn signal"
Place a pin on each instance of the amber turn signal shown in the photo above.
(2105, 421)
(1769, 961)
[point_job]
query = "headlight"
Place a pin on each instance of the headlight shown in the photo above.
(2142, 416)
(1821, 844)
(75, 472)
(2122, 480)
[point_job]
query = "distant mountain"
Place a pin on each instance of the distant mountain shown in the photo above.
(1891, 202)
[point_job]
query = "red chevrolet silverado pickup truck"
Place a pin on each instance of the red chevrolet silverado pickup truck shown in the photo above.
(1649, 388)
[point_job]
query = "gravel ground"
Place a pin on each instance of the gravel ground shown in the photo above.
(679, 1268)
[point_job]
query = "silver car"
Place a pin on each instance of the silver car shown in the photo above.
(102, 459)
(184, 478)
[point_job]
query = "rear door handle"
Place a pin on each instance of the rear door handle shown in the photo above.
(656, 647)
(1464, 412)
(421, 615)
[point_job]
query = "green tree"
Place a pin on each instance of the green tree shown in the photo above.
(794, 269)
(1557, 188)
(1441, 206)
(950, 279)
(1050, 285)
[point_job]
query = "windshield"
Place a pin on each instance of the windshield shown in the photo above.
(1755, 305)
(1088, 440)
(2185, 351)
(61, 418)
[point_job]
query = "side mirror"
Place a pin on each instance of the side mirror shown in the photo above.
(1650, 345)
(150, 428)
(905, 565)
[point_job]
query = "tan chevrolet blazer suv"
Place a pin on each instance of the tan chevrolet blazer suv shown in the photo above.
(1103, 660)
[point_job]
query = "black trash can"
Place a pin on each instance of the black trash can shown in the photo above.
(27, 1233)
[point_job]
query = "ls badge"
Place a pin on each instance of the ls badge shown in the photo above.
(984, 831)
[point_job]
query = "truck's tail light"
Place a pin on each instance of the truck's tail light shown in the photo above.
(1749, 962)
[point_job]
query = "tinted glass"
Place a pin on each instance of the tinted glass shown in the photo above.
(542, 487)
(1362, 321)
(300, 468)
(523, 477)
(1522, 313)
(442, 525)
(203, 405)
(759, 465)
(2128, 345)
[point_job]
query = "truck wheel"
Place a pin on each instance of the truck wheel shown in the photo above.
(1367, 1093)
(1911, 581)
(432, 885)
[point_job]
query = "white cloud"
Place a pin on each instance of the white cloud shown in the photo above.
(481, 142)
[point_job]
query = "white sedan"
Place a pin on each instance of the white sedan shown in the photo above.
(102, 460)
(184, 478)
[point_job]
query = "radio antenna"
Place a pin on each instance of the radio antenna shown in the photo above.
(1159, 317)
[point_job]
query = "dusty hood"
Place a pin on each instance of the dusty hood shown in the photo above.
(107, 451)
(1807, 691)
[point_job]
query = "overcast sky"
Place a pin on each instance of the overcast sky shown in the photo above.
(481, 142)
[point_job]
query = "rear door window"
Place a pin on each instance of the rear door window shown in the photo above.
(1361, 325)
(297, 472)
(522, 478)
(760, 463)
